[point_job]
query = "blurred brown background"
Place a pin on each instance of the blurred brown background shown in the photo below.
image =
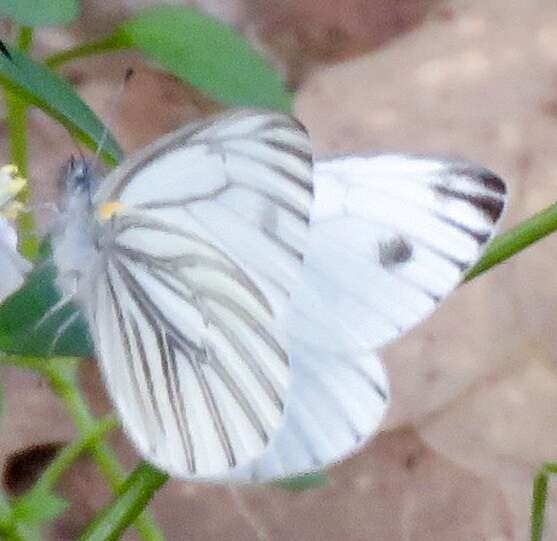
(474, 389)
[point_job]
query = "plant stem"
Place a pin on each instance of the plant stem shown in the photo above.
(539, 498)
(6, 524)
(135, 494)
(16, 116)
(72, 452)
(61, 375)
(111, 43)
(25, 38)
(10, 530)
(517, 239)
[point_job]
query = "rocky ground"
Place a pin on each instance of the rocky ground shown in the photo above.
(475, 388)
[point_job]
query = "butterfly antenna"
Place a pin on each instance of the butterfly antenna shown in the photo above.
(78, 149)
(116, 99)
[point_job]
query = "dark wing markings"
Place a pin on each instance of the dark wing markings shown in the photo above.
(490, 206)
(211, 357)
(282, 171)
(176, 396)
(158, 270)
(483, 177)
(128, 356)
(235, 272)
(212, 406)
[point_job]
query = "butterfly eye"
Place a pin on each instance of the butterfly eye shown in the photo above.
(76, 175)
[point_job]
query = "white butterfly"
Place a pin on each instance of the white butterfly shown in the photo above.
(13, 266)
(235, 298)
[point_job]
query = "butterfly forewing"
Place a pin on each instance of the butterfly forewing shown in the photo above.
(391, 236)
(189, 311)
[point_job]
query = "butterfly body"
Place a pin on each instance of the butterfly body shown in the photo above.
(77, 232)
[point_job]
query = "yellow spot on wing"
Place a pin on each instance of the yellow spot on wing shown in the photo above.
(108, 210)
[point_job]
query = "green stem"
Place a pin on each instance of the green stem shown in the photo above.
(539, 500)
(6, 523)
(62, 379)
(135, 494)
(63, 461)
(25, 38)
(72, 452)
(517, 239)
(10, 530)
(103, 45)
(62, 375)
(16, 116)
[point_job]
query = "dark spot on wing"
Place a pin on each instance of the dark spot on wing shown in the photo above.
(394, 252)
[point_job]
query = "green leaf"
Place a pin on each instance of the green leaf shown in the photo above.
(39, 12)
(41, 87)
(208, 54)
(38, 507)
(308, 481)
(21, 330)
(1, 403)
(135, 494)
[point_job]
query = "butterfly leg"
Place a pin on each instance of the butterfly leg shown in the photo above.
(64, 301)
(61, 330)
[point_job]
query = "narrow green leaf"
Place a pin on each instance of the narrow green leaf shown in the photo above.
(134, 496)
(41, 87)
(39, 12)
(38, 507)
(539, 501)
(21, 329)
(208, 54)
(308, 481)
(516, 239)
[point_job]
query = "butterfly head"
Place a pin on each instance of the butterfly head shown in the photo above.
(79, 177)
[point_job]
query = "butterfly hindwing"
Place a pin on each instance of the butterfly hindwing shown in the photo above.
(189, 304)
(391, 236)
(335, 403)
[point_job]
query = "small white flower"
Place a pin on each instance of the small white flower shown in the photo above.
(13, 266)
(11, 183)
